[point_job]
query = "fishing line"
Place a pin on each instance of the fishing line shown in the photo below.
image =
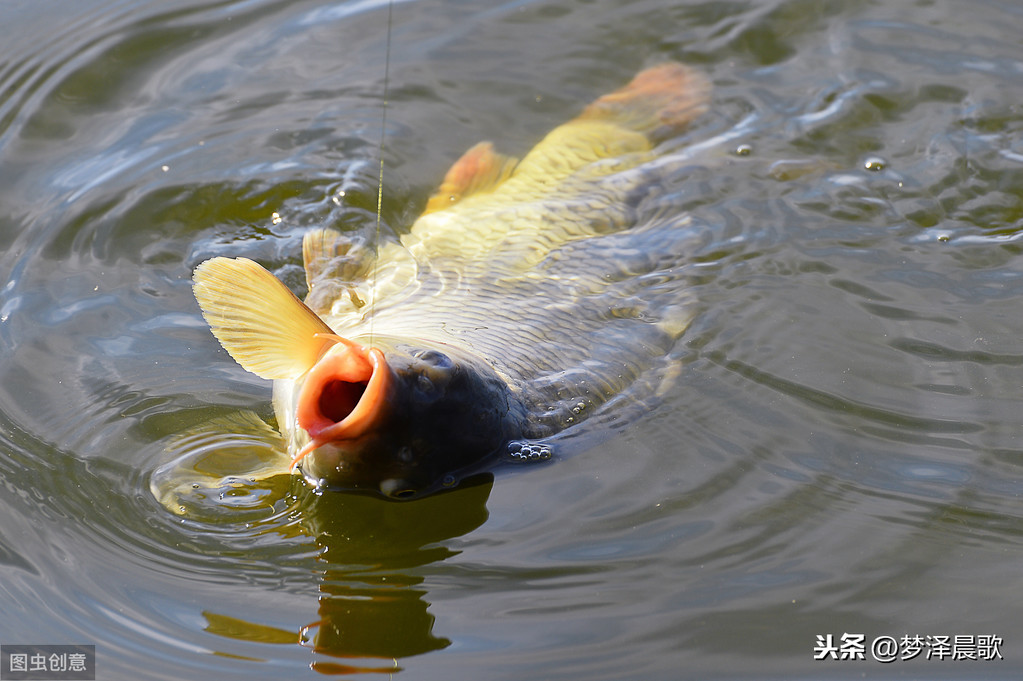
(380, 176)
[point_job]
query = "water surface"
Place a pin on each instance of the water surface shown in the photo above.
(841, 452)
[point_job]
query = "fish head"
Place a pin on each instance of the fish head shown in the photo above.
(400, 418)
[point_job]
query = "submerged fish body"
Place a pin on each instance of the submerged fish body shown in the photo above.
(516, 305)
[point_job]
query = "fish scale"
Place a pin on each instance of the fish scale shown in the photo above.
(546, 322)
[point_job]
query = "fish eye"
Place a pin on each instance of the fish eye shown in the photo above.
(434, 357)
(397, 489)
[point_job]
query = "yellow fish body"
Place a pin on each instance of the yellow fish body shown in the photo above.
(504, 315)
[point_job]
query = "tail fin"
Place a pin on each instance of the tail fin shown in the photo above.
(658, 102)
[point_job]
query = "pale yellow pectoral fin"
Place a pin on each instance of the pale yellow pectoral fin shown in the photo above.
(319, 248)
(257, 319)
(479, 170)
(329, 254)
(235, 462)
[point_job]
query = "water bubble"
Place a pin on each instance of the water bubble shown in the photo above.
(874, 163)
(944, 238)
(743, 150)
(275, 218)
(530, 451)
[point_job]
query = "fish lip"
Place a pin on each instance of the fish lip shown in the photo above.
(352, 363)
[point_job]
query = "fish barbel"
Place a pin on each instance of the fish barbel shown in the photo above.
(516, 305)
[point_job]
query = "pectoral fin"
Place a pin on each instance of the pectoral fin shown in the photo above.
(228, 464)
(335, 265)
(480, 169)
(328, 254)
(257, 319)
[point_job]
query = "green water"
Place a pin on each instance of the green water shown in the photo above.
(841, 452)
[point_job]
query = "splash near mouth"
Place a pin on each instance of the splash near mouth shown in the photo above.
(343, 394)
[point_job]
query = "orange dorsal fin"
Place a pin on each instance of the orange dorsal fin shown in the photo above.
(479, 170)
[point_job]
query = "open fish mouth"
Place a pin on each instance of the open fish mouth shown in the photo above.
(343, 395)
(399, 418)
(343, 398)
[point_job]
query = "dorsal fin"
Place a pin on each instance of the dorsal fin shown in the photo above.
(480, 169)
(257, 319)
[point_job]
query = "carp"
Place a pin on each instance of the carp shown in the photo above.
(523, 300)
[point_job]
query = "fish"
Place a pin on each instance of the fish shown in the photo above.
(522, 301)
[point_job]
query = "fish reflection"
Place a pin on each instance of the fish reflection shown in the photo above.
(373, 607)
